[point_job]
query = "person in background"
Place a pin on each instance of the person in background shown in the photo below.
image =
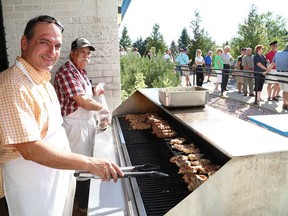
(199, 61)
(208, 64)
(239, 78)
(226, 58)
(281, 62)
(122, 51)
(75, 94)
(273, 88)
(183, 62)
(35, 158)
(260, 66)
(136, 52)
(248, 66)
(167, 56)
(148, 54)
(218, 66)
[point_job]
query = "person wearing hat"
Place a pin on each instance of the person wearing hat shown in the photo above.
(75, 94)
(273, 87)
(183, 62)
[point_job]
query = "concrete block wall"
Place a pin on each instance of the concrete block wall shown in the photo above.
(95, 20)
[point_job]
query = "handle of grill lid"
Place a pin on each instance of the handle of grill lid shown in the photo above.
(151, 174)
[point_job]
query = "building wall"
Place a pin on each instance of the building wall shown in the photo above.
(95, 20)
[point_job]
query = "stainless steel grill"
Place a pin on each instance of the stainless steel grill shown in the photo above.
(253, 174)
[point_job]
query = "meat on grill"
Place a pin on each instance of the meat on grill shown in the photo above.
(179, 140)
(160, 128)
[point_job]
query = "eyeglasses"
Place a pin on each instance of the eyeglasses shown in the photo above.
(50, 19)
(44, 18)
(275, 45)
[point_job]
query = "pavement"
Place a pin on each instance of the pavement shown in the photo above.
(232, 93)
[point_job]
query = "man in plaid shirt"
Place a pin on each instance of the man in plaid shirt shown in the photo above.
(78, 107)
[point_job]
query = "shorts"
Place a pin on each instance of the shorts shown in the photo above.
(283, 86)
(239, 77)
(185, 71)
(219, 76)
(271, 76)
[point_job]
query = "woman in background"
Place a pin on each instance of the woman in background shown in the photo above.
(218, 66)
(260, 66)
(199, 61)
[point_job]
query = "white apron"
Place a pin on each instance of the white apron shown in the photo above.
(80, 126)
(32, 189)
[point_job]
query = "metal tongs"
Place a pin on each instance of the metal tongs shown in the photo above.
(145, 170)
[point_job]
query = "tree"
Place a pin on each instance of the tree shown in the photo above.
(156, 40)
(174, 49)
(125, 40)
(201, 39)
(184, 39)
(276, 28)
(259, 29)
(141, 45)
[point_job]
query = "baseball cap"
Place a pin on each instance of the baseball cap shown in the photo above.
(81, 42)
(273, 43)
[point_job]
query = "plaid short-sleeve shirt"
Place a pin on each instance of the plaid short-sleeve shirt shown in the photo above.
(68, 83)
(23, 114)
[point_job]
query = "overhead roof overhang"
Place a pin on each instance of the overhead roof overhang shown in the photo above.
(122, 8)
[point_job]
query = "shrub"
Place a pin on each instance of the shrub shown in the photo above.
(137, 72)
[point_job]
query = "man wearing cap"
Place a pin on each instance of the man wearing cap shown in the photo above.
(75, 94)
(183, 60)
(273, 87)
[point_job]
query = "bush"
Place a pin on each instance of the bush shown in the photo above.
(137, 72)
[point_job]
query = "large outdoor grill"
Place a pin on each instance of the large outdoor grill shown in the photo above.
(159, 195)
(253, 173)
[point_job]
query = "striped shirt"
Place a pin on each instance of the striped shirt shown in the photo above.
(24, 117)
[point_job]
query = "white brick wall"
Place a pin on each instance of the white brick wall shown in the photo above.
(95, 20)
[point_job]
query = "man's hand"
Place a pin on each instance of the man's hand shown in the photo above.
(105, 169)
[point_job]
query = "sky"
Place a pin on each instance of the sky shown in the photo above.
(219, 18)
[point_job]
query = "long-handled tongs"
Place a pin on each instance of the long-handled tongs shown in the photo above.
(145, 170)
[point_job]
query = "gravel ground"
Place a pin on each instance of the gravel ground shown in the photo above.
(235, 108)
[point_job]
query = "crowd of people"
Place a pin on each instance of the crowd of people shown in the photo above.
(250, 72)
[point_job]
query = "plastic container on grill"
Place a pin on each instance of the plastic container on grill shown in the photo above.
(183, 96)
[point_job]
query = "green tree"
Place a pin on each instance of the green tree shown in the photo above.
(201, 39)
(141, 45)
(174, 49)
(156, 40)
(184, 39)
(276, 28)
(125, 40)
(259, 29)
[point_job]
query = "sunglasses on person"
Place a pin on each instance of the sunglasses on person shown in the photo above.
(43, 18)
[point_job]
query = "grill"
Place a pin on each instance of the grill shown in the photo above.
(253, 174)
(160, 195)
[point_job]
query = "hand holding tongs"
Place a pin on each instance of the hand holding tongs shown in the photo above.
(145, 170)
